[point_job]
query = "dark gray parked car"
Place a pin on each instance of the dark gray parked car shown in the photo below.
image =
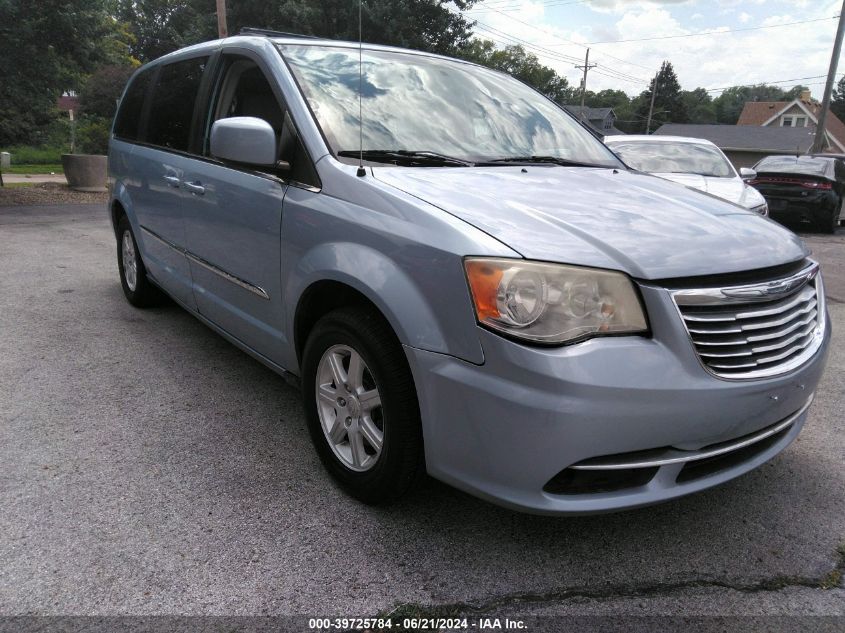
(803, 189)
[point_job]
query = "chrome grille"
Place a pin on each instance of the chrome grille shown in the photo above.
(755, 330)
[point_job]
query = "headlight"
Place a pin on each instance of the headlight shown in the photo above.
(552, 303)
(762, 209)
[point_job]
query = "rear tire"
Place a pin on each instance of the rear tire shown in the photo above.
(137, 288)
(830, 224)
(361, 405)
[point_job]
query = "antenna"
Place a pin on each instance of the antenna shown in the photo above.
(361, 171)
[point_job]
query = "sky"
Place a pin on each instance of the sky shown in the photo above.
(559, 31)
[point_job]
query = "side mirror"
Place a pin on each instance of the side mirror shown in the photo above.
(746, 173)
(244, 139)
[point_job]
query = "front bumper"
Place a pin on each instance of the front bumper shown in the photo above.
(504, 430)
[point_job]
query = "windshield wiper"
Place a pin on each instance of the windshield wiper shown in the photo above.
(557, 160)
(406, 157)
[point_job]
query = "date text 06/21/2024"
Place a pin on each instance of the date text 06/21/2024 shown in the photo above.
(415, 624)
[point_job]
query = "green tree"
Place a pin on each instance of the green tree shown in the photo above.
(519, 63)
(669, 105)
(159, 27)
(162, 26)
(699, 105)
(610, 98)
(730, 103)
(102, 89)
(837, 101)
(46, 50)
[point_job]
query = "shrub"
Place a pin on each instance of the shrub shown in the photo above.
(92, 135)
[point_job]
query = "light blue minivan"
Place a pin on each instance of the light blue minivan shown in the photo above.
(465, 281)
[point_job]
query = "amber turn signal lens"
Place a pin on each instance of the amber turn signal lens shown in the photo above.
(484, 278)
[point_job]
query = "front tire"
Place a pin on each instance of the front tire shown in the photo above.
(137, 288)
(831, 223)
(361, 405)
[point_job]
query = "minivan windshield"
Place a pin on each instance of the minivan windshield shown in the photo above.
(669, 157)
(434, 111)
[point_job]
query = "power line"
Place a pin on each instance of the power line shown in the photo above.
(549, 54)
(552, 53)
(510, 5)
(763, 83)
(633, 81)
(752, 28)
(517, 40)
(563, 39)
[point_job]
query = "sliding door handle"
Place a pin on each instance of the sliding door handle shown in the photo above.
(173, 181)
(195, 187)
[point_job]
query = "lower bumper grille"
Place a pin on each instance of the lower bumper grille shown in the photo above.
(624, 471)
(756, 330)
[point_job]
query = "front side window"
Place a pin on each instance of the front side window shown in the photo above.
(172, 108)
(128, 119)
(666, 157)
(243, 90)
(417, 103)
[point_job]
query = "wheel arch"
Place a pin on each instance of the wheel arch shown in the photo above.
(333, 275)
(121, 204)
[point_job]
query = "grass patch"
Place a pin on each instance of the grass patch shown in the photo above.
(26, 155)
(32, 168)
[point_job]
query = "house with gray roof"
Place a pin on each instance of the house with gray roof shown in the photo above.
(601, 120)
(744, 145)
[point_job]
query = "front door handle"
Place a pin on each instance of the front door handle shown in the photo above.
(173, 181)
(195, 187)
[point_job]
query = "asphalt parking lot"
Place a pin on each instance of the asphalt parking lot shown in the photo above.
(149, 467)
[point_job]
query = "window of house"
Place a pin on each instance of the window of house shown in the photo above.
(800, 121)
(608, 123)
(172, 108)
(786, 121)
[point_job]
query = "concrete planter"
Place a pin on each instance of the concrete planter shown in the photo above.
(85, 172)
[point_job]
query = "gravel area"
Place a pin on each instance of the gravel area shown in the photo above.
(47, 193)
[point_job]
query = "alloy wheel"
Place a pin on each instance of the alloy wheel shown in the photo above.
(130, 261)
(349, 407)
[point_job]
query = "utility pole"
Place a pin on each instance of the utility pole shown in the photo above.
(586, 67)
(654, 88)
(819, 142)
(222, 29)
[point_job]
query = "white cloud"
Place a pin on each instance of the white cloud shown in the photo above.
(710, 61)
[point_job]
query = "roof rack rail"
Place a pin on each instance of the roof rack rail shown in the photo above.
(249, 30)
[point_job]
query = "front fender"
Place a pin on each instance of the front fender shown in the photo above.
(393, 291)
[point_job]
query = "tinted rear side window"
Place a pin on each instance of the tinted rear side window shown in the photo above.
(129, 115)
(172, 107)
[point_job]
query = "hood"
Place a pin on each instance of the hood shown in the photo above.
(730, 189)
(607, 218)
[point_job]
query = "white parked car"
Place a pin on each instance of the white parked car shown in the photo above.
(694, 162)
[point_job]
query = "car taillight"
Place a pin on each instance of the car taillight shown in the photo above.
(814, 184)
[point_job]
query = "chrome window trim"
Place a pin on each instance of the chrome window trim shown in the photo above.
(716, 296)
(676, 456)
(257, 290)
